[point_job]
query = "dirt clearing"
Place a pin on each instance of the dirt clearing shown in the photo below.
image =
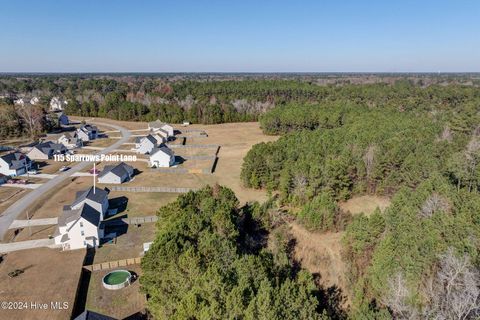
(366, 204)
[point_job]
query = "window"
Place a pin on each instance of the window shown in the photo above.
(82, 233)
(81, 224)
(84, 243)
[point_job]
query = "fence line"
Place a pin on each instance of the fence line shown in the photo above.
(113, 264)
(152, 189)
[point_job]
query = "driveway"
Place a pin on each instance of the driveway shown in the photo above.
(24, 245)
(12, 212)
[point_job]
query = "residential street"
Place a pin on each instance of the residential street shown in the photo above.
(11, 213)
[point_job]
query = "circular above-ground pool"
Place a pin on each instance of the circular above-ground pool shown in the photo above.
(117, 279)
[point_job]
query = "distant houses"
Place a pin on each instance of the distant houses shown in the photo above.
(116, 174)
(161, 128)
(69, 141)
(162, 157)
(57, 105)
(87, 132)
(15, 164)
(79, 226)
(46, 150)
(63, 119)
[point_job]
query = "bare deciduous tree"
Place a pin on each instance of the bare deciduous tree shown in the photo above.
(369, 159)
(435, 203)
(454, 292)
(33, 118)
(397, 298)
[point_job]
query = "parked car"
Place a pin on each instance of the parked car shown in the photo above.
(33, 171)
(64, 168)
(94, 171)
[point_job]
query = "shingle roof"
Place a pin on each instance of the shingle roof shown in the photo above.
(119, 170)
(85, 211)
(163, 149)
(90, 315)
(14, 159)
(98, 196)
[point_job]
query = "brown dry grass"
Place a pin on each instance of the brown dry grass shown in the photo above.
(366, 204)
(50, 275)
(115, 303)
(320, 253)
(8, 196)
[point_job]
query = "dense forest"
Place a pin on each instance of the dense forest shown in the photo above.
(420, 146)
(201, 265)
(216, 99)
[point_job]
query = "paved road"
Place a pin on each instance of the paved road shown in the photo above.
(22, 186)
(12, 212)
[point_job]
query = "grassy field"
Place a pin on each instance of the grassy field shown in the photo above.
(365, 204)
(8, 196)
(49, 276)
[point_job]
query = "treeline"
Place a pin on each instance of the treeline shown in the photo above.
(22, 121)
(201, 266)
(145, 98)
(419, 259)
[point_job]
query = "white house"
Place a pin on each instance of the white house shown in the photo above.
(19, 102)
(158, 125)
(34, 100)
(79, 228)
(146, 144)
(162, 157)
(70, 142)
(56, 104)
(14, 164)
(46, 150)
(116, 173)
(95, 198)
(87, 132)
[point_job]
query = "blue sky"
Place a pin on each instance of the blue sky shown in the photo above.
(239, 36)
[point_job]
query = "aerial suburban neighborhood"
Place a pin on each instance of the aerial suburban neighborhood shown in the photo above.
(240, 160)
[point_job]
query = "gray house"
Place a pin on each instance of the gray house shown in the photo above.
(116, 173)
(46, 150)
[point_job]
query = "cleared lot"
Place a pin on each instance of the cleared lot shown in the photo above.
(49, 276)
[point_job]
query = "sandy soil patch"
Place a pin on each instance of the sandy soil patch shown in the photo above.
(49, 276)
(366, 204)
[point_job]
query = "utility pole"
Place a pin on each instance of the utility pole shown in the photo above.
(29, 226)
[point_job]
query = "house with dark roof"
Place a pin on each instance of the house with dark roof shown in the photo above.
(46, 150)
(145, 145)
(90, 315)
(79, 226)
(69, 141)
(14, 164)
(116, 173)
(162, 157)
(157, 125)
(87, 132)
(95, 197)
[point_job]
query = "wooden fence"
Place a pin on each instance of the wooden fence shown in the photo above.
(152, 189)
(113, 264)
